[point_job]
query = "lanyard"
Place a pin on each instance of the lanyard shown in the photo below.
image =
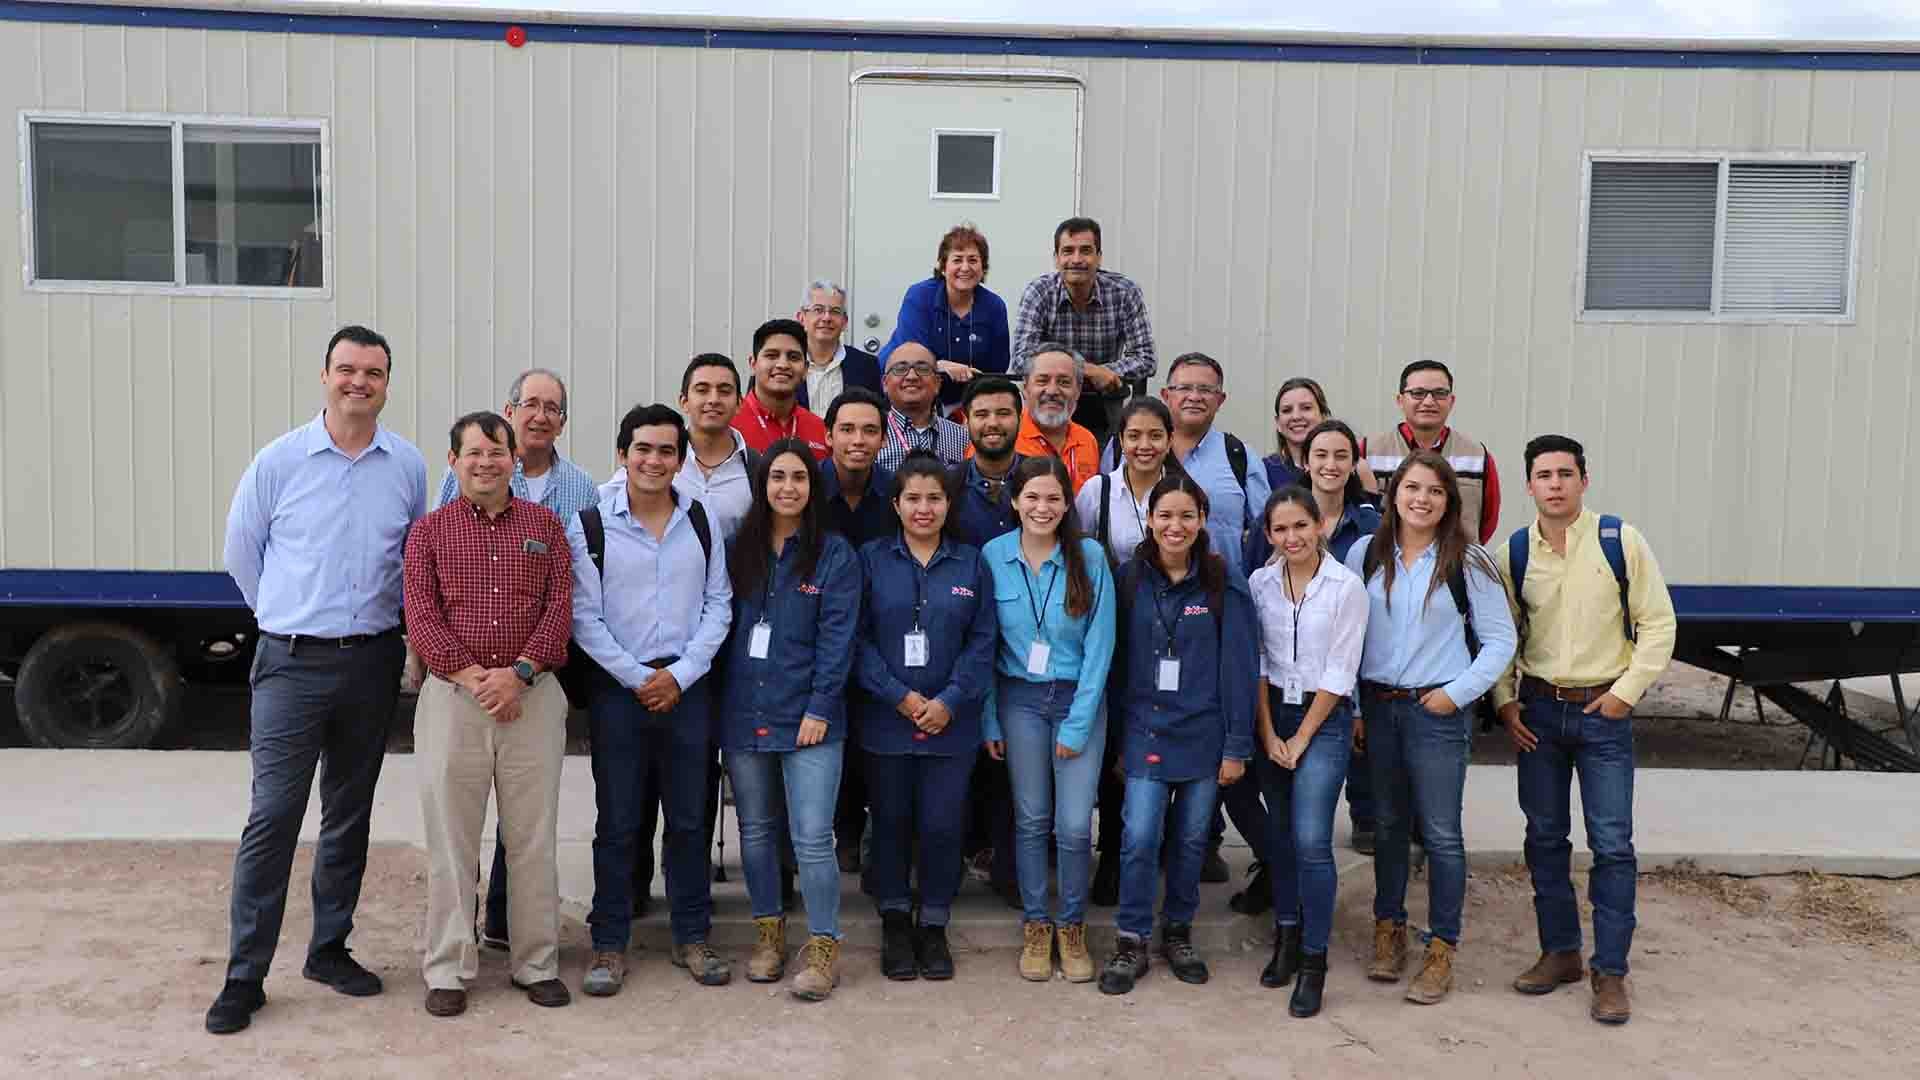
(1134, 506)
(1039, 621)
(1286, 577)
(1160, 617)
(919, 587)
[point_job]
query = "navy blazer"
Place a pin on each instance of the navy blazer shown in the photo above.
(1184, 734)
(805, 672)
(858, 368)
(953, 598)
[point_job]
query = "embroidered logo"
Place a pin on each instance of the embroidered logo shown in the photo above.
(1196, 609)
(962, 590)
(809, 590)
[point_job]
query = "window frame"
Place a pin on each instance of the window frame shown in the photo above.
(176, 123)
(933, 163)
(1725, 159)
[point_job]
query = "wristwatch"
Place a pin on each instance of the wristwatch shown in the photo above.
(524, 669)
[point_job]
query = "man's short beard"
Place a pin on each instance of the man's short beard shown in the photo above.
(1052, 418)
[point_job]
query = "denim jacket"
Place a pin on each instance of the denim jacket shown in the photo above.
(805, 672)
(951, 600)
(1183, 734)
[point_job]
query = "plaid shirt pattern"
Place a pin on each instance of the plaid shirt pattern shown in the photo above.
(1113, 330)
(488, 591)
(945, 438)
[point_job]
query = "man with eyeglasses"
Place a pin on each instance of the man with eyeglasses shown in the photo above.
(832, 365)
(1426, 402)
(537, 409)
(912, 423)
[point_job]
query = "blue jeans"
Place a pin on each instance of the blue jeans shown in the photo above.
(628, 742)
(321, 708)
(1144, 817)
(1601, 750)
(1419, 770)
(1050, 795)
(918, 799)
(811, 776)
(1300, 805)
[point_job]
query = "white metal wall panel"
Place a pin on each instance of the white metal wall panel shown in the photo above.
(608, 211)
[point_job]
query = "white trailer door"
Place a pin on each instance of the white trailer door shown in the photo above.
(933, 151)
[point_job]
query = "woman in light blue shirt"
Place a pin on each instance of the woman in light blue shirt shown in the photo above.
(1054, 597)
(1438, 634)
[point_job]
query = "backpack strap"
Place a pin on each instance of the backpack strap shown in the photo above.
(1519, 547)
(697, 517)
(1457, 585)
(1616, 554)
(596, 531)
(1106, 513)
(753, 462)
(1237, 460)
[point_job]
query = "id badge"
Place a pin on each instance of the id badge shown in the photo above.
(1291, 692)
(1169, 675)
(916, 642)
(1037, 658)
(759, 641)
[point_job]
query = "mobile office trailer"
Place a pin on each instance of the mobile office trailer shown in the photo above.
(1701, 259)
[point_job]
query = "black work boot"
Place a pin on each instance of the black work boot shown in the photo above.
(931, 952)
(1257, 897)
(1313, 983)
(1125, 966)
(896, 946)
(1286, 957)
(1176, 944)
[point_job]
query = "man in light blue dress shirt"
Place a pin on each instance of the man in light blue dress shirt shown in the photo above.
(315, 540)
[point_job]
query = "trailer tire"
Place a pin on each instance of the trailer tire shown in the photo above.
(98, 685)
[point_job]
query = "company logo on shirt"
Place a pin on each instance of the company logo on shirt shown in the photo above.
(1197, 609)
(809, 590)
(962, 590)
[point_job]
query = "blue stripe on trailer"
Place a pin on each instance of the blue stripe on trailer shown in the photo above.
(1794, 604)
(1069, 44)
(119, 588)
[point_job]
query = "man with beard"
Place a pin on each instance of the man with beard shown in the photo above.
(1054, 375)
(1097, 313)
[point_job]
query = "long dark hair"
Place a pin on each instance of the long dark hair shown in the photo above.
(1356, 492)
(1079, 585)
(926, 463)
(1211, 569)
(1453, 553)
(751, 560)
(1298, 382)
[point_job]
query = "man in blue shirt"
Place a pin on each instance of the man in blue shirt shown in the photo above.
(537, 409)
(653, 614)
(315, 539)
(984, 508)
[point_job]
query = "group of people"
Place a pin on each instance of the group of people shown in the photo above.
(943, 620)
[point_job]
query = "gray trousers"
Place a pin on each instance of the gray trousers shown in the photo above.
(314, 706)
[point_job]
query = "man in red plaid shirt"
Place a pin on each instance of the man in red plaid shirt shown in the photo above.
(489, 609)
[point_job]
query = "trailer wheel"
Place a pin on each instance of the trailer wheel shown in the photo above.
(98, 686)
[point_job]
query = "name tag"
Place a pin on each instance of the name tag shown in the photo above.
(759, 641)
(1037, 657)
(916, 649)
(1169, 675)
(533, 547)
(1291, 691)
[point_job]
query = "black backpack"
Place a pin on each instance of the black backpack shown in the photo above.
(583, 676)
(1456, 584)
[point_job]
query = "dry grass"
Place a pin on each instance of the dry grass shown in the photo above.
(1686, 878)
(1843, 909)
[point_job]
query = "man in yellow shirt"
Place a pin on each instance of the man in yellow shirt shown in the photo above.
(1596, 629)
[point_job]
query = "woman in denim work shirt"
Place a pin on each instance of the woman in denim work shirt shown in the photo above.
(1182, 706)
(796, 606)
(927, 635)
(1418, 683)
(1313, 620)
(1054, 598)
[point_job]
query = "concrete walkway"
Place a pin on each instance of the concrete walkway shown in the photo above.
(1729, 822)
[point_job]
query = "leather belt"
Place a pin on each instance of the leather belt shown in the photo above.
(1571, 695)
(351, 641)
(1395, 693)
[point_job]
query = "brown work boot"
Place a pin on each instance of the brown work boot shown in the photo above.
(1075, 962)
(819, 969)
(1036, 955)
(1389, 951)
(769, 959)
(1549, 972)
(1436, 975)
(606, 976)
(1610, 1004)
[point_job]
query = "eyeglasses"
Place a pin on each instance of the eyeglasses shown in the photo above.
(1193, 388)
(1421, 393)
(817, 310)
(901, 371)
(551, 409)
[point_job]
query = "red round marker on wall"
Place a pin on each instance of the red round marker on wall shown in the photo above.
(516, 36)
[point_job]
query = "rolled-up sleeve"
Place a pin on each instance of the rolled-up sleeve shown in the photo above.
(1348, 634)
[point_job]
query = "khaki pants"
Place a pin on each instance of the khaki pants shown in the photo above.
(462, 754)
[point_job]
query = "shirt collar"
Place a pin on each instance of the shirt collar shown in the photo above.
(623, 505)
(1587, 524)
(839, 356)
(900, 546)
(481, 514)
(1406, 435)
(316, 438)
(1065, 297)
(1016, 555)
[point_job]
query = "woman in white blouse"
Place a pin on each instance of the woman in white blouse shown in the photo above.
(1313, 620)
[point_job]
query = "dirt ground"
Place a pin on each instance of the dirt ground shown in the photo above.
(110, 953)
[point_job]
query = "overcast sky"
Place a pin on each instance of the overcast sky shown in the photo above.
(1803, 19)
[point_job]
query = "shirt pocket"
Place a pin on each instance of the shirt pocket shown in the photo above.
(526, 575)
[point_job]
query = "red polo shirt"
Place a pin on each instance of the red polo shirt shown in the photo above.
(760, 428)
